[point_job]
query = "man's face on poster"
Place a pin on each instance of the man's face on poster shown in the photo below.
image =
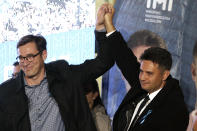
(137, 52)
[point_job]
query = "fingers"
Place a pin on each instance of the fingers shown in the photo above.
(100, 17)
(111, 9)
(105, 13)
(107, 8)
(109, 13)
(104, 6)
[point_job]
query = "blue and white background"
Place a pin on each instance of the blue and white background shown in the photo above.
(67, 25)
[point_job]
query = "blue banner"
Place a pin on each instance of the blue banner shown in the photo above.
(175, 21)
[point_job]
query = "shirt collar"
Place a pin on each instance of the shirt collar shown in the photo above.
(152, 95)
(25, 82)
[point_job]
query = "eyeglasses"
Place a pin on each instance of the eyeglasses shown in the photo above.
(29, 57)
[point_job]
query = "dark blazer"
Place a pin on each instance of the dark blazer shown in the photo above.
(64, 82)
(166, 112)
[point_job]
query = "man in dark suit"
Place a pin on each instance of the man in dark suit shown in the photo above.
(48, 97)
(164, 109)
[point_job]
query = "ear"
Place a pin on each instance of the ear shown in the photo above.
(44, 54)
(166, 73)
(193, 71)
(95, 95)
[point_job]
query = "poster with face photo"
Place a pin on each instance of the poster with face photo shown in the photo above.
(175, 22)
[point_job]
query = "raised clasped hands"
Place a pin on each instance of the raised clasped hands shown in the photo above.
(105, 17)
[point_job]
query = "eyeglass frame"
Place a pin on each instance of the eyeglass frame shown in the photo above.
(26, 58)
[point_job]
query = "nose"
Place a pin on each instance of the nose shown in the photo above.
(142, 76)
(25, 62)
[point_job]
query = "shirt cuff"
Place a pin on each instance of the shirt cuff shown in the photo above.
(108, 34)
(102, 30)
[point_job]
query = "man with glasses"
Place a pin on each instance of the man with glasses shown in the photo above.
(47, 97)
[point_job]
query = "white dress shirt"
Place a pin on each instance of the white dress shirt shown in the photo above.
(151, 96)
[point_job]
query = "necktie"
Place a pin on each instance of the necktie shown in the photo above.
(146, 99)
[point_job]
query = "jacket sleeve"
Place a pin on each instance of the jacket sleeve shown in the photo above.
(124, 58)
(92, 69)
(176, 121)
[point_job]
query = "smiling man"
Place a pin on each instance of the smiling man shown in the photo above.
(31, 61)
(140, 41)
(48, 97)
(155, 102)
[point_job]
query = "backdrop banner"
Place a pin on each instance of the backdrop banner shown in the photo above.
(175, 21)
(67, 25)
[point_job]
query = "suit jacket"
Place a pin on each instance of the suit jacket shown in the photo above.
(166, 112)
(64, 82)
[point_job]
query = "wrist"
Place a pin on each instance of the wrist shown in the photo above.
(109, 27)
(100, 27)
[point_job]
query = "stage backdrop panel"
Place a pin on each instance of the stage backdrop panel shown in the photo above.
(174, 21)
(68, 26)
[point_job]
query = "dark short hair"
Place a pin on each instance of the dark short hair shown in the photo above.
(92, 86)
(39, 40)
(195, 52)
(146, 38)
(15, 63)
(158, 55)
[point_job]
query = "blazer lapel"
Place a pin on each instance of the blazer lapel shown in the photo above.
(146, 114)
(154, 104)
